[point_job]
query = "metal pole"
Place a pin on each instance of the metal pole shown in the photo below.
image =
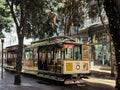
(2, 41)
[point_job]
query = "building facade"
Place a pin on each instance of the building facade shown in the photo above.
(101, 45)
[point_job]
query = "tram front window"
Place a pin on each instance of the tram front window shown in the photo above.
(68, 53)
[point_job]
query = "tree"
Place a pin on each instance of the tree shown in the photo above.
(49, 17)
(28, 24)
(113, 13)
(43, 19)
(40, 19)
(71, 14)
(19, 15)
(5, 19)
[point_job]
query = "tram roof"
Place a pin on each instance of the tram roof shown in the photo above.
(13, 47)
(52, 41)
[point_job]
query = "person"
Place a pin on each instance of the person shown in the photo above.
(40, 65)
(76, 55)
(99, 58)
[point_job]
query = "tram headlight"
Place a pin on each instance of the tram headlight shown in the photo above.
(77, 67)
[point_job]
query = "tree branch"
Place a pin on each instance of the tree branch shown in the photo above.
(12, 12)
(101, 18)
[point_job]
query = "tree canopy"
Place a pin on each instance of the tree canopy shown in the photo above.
(48, 17)
(5, 17)
(45, 18)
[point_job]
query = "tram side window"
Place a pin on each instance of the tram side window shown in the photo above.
(35, 55)
(77, 54)
(28, 54)
(42, 56)
(4, 56)
(15, 55)
(9, 55)
(58, 54)
(85, 52)
(49, 57)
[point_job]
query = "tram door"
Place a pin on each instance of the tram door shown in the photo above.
(30, 58)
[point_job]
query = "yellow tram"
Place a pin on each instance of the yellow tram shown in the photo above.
(58, 58)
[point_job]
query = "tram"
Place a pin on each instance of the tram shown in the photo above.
(57, 58)
(10, 57)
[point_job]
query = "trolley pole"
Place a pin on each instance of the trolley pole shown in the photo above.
(2, 41)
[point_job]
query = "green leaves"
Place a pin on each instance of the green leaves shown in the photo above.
(52, 16)
(5, 17)
(46, 17)
(41, 18)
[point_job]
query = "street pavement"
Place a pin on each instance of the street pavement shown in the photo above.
(32, 84)
(7, 83)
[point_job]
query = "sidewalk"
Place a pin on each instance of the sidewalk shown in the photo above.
(101, 72)
(105, 69)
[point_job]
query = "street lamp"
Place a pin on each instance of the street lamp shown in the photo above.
(2, 41)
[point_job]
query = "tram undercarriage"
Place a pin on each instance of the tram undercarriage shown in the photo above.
(64, 78)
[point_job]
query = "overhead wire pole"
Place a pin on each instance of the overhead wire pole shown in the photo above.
(2, 41)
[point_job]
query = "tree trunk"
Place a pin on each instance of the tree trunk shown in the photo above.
(114, 25)
(17, 80)
(21, 29)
